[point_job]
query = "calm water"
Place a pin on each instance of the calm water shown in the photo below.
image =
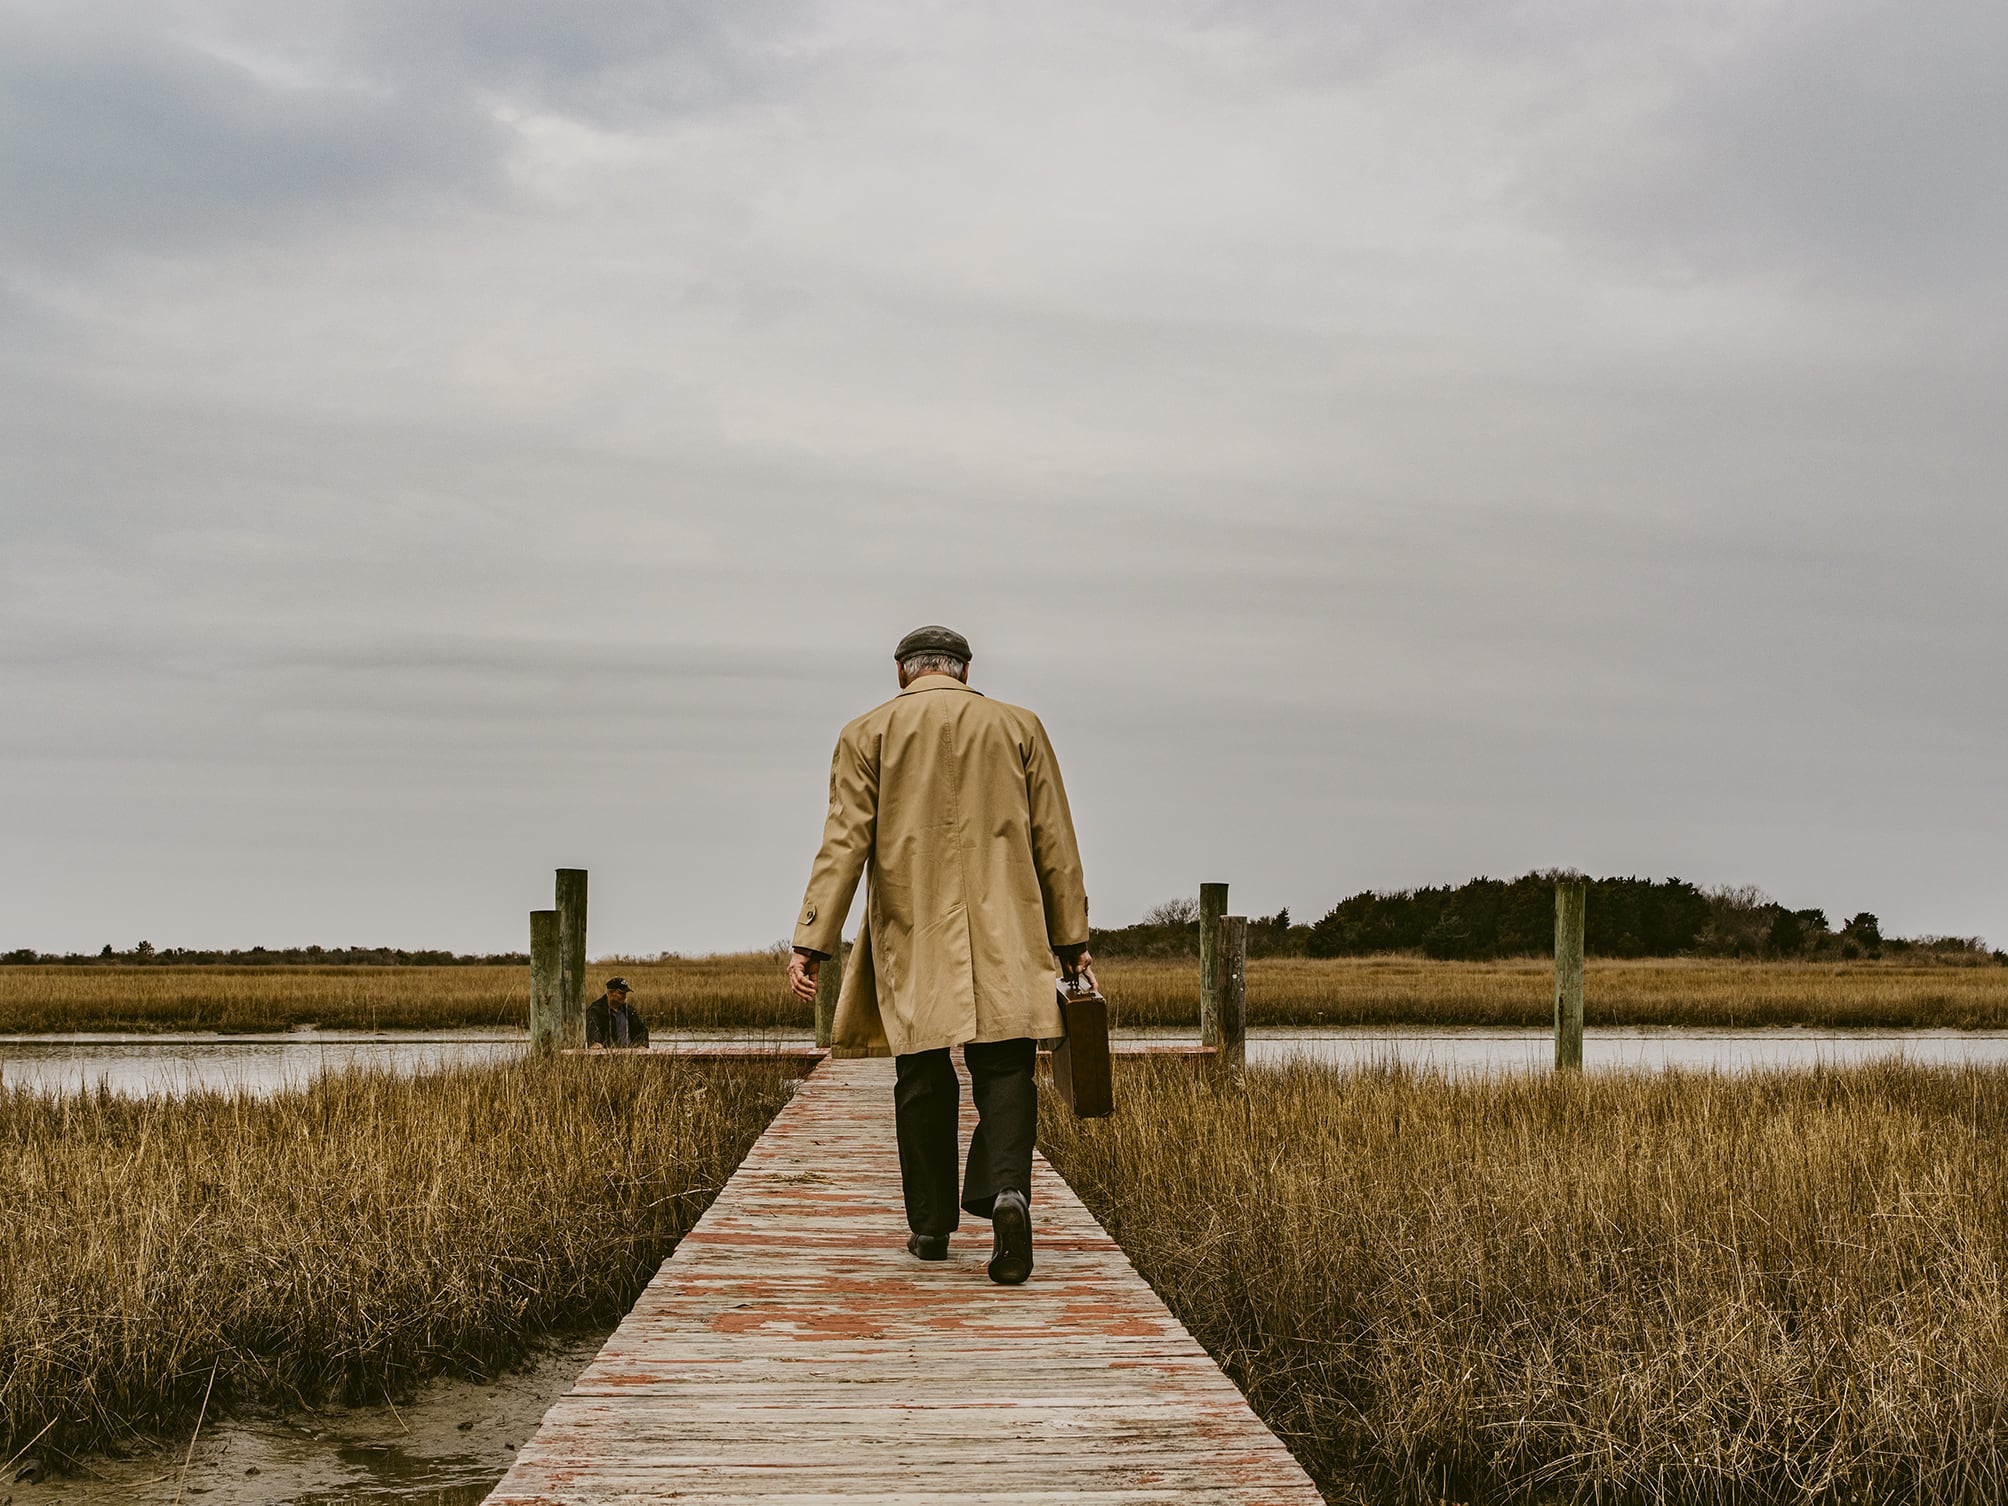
(178, 1063)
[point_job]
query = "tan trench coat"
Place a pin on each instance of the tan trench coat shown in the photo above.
(952, 803)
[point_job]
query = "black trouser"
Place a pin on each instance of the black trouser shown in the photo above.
(927, 1104)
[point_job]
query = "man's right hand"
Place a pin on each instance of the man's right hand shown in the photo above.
(1074, 962)
(803, 971)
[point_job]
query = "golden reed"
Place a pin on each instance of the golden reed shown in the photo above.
(745, 992)
(1654, 1288)
(338, 1242)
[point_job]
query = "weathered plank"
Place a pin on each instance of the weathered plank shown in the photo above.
(791, 1350)
(806, 1056)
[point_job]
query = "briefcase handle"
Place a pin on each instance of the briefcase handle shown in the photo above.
(1083, 987)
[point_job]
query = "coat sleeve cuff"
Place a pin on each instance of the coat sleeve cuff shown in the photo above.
(817, 938)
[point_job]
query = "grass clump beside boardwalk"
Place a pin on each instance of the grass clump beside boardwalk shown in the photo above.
(1666, 1288)
(746, 992)
(339, 1242)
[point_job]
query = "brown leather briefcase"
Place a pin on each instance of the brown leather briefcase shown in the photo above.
(1081, 1061)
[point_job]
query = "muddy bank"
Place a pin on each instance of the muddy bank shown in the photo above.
(447, 1448)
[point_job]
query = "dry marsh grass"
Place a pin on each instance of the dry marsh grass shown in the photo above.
(733, 991)
(1675, 991)
(746, 992)
(338, 1242)
(1666, 1288)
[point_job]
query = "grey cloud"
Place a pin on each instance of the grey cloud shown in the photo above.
(149, 144)
(1861, 143)
(138, 137)
(631, 58)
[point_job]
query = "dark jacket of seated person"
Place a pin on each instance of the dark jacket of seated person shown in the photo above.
(612, 1022)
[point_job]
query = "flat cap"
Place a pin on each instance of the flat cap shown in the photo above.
(933, 640)
(618, 986)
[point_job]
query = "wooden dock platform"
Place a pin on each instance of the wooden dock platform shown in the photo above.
(792, 1351)
(795, 1057)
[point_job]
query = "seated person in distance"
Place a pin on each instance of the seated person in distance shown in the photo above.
(613, 1022)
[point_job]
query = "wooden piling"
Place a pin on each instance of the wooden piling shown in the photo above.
(545, 1015)
(1571, 896)
(1212, 906)
(829, 983)
(572, 958)
(1232, 955)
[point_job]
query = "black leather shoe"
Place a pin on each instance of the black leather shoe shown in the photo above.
(1011, 1238)
(927, 1246)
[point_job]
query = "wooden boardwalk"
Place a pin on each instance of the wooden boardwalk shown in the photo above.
(792, 1351)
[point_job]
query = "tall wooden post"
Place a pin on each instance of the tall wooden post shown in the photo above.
(544, 1008)
(572, 958)
(1212, 905)
(829, 983)
(1571, 897)
(1233, 964)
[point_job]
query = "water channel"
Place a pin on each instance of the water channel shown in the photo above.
(183, 1062)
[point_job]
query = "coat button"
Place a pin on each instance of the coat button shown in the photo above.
(809, 915)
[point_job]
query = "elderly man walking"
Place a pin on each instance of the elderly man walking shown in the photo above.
(952, 804)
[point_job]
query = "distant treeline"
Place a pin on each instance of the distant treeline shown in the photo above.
(1488, 918)
(259, 956)
(1471, 922)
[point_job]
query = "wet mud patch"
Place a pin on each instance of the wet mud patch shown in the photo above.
(448, 1447)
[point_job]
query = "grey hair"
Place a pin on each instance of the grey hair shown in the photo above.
(933, 663)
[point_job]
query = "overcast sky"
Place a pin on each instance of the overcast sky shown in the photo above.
(1385, 443)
